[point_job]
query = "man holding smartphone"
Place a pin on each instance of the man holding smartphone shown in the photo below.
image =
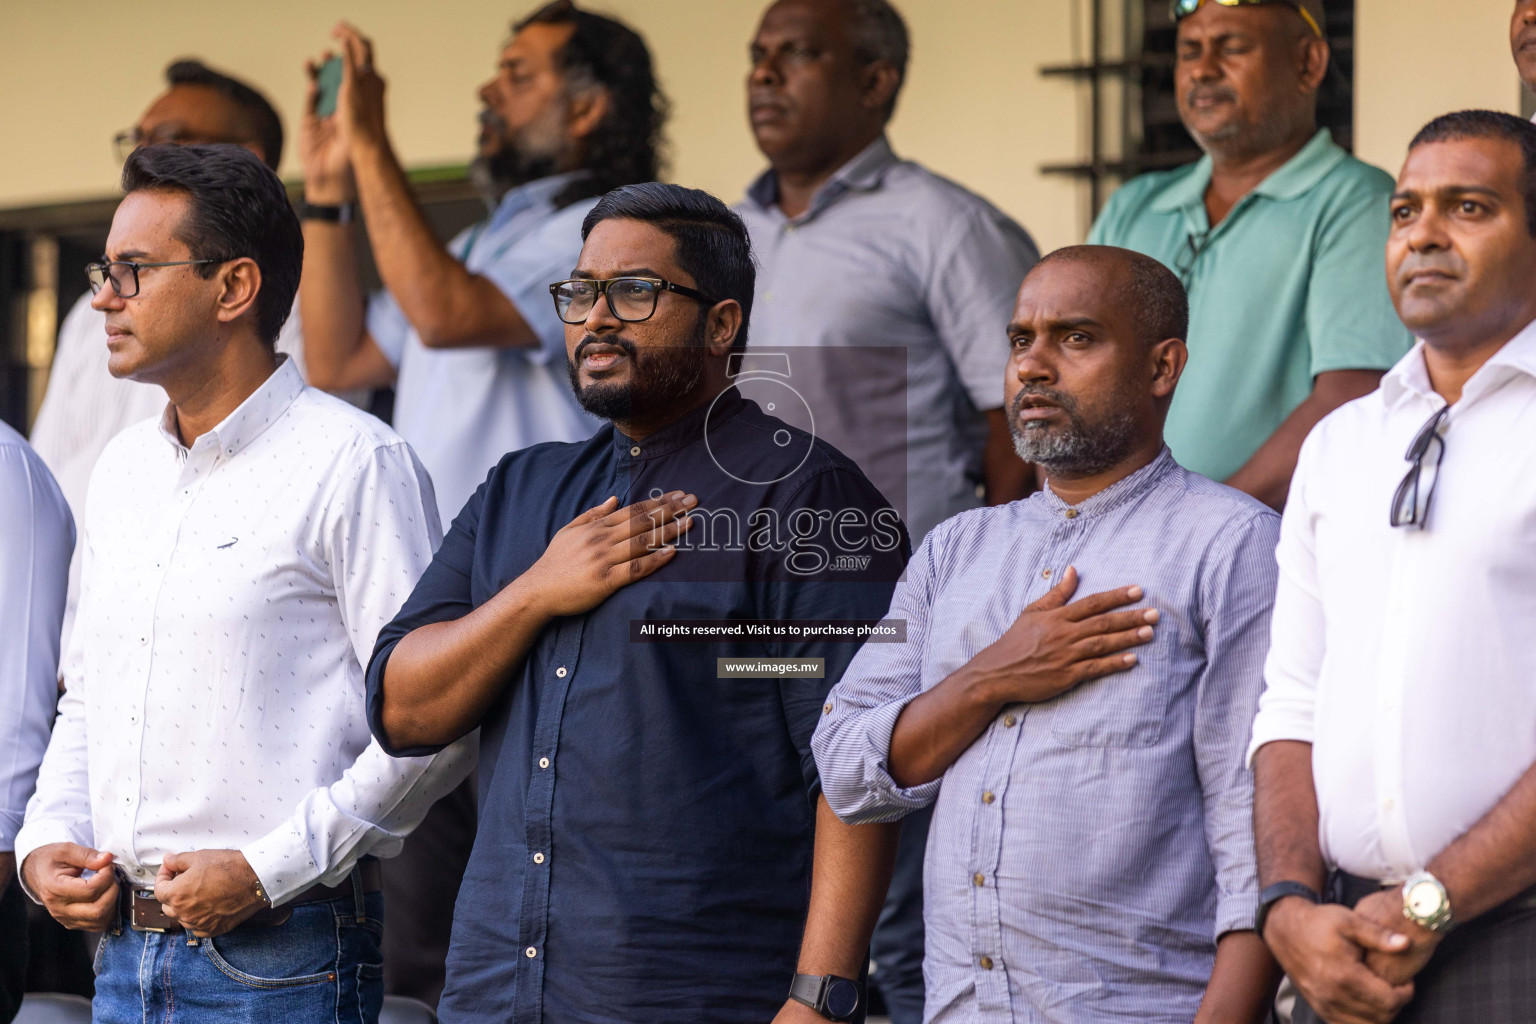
(464, 332)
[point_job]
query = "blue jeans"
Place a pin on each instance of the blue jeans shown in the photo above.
(323, 964)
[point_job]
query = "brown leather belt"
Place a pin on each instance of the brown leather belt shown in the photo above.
(142, 912)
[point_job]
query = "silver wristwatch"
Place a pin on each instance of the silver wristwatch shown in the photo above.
(1425, 902)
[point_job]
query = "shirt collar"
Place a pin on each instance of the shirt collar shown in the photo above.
(682, 432)
(541, 192)
(1111, 497)
(1410, 377)
(258, 412)
(1295, 178)
(864, 173)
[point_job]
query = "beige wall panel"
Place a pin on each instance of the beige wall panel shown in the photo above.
(1417, 59)
(976, 109)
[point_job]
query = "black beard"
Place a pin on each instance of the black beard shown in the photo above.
(662, 377)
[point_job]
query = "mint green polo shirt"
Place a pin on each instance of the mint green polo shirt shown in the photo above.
(1291, 284)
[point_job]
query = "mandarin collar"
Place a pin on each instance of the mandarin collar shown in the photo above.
(1111, 497)
(682, 432)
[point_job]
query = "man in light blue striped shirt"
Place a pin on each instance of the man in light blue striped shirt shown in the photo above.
(1091, 857)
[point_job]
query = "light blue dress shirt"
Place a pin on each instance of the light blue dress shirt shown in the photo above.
(892, 294)
(1086, 852)
(37, 537)
(462, 409)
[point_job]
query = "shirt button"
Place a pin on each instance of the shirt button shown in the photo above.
(635, 450)
(530, 952)
(538, 858)
(143, 640)
(1010, 721)
(543, 762)
(1045, 574)
(1388, 804)
(985, 963)
(988, 797)
(1070, 513)
(560, 672)
(979, 878)
(826, 708)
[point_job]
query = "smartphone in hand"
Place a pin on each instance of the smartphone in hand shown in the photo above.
(329, 81)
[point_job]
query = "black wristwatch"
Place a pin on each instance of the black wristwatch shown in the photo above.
(1274, 894)
(833, 997)
(345, 213)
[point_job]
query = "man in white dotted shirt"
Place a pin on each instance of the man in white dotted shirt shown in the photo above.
(210, 797)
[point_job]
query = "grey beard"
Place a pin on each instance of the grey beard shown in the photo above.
(1079, 448)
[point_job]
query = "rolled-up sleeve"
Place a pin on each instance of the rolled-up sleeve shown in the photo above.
(852, 744)
(1296, 638)
(1238, 598)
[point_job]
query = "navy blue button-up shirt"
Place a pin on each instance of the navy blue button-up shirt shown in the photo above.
(646, 819)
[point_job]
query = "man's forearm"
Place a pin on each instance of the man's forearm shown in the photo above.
(1495, 860)
(940, 725)
(441, 678)
(331, 303)
(1267, 475)
(1285, 816)
(851, 874)
(448, 305)
(1243, 982)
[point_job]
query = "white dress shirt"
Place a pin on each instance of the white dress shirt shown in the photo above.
(1404, 656)
(36, 537)
(231, 597)
(85, 407)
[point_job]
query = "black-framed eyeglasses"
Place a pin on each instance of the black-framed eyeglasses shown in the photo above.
(1184, 8)
(1189, 255)
(1406, 507)
(124, 274)
(631, 299)
(125, 142)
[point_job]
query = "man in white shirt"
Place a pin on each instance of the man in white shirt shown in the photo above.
(1395, 746)
(466, 332)
(210, 796)
(34, 567)
(85, 406)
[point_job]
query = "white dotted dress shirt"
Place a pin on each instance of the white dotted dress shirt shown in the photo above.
(36, 537)
(1404, 656)
(231, 596)
(85, 407)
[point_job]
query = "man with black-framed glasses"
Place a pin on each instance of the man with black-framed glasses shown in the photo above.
(1276, 235)
(210, 797)
(85, 406)
(1395, 747)
(648, 796)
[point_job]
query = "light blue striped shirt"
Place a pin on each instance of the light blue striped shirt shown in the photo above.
(1086, 852)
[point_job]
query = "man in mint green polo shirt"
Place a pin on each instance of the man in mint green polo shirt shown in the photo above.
(1278, 235)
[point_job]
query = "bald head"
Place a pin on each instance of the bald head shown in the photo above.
(1143, 290)
(1096, 348)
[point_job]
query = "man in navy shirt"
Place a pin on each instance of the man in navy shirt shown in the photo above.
(647, 811)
